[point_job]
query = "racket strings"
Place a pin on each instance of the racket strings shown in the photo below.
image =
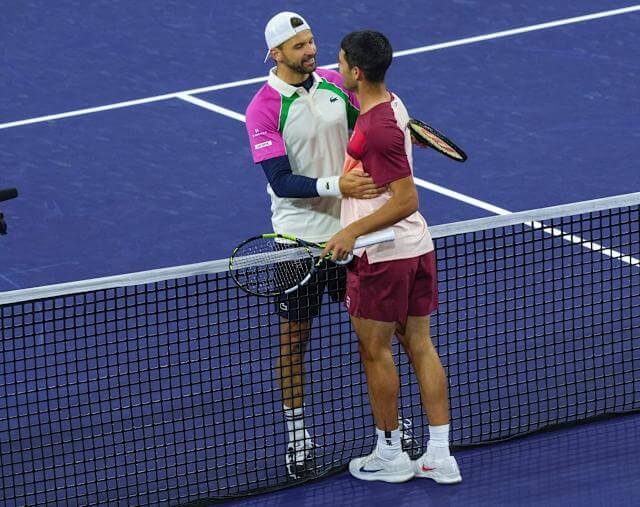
(266, 266)
(441, 144)
(430, 136)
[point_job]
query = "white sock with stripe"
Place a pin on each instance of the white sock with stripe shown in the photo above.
(294, 418)
(389, 444)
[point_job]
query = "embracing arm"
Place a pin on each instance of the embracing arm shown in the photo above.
(286, 184)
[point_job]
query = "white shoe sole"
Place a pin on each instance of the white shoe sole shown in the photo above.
(438, 478)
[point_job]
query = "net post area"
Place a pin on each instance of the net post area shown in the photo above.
(162, 387)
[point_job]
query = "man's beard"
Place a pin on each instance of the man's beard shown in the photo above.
(299, 68)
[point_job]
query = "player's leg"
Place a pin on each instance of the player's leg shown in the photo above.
(297, 312)
(374, 344)
(428, 369)
(437, 463)
(415, 337)
(294, 339)
(388, 462)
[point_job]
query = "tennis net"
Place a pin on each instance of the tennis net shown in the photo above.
(159, 388)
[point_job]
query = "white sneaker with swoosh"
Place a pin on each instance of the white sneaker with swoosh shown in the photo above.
(301, 458)
(444, 471)
(374, 468)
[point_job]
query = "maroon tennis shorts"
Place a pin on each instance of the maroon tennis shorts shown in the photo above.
(391, 291)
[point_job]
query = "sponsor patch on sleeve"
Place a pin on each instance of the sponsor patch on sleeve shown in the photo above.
(259, 146)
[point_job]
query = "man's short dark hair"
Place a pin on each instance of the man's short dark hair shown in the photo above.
(369, 50)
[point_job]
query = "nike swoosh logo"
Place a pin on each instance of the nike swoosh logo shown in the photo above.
(426, 469)
(363, 470)
(333, 99)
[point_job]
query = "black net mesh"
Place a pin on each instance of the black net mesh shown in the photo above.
(165, 393)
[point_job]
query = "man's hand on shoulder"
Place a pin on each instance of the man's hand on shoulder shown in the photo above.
(360, 185)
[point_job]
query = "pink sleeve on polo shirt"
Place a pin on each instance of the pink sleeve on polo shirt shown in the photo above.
(262, 122)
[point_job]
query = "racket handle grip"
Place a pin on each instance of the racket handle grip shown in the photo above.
(374, 238)
(344, 261)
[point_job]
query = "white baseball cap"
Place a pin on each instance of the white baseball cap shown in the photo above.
(279, 29)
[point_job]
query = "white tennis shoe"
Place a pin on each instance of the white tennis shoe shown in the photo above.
(301, 459)
(444, 471)
(374, 468)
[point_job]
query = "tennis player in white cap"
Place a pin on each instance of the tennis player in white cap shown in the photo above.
(298, 125)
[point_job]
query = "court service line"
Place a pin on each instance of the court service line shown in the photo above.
(244, 82)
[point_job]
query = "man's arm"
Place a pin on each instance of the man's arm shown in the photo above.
(403, 202)
(286, 184)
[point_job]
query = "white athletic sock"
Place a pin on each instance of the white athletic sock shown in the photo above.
(389, 445)
(295, 424)
(438, 445)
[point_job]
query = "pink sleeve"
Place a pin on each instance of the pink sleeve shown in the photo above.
(385, 157)
(264, 137)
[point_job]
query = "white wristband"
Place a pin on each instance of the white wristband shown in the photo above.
(329, 186)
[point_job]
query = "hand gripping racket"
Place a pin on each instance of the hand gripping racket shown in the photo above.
(426, 134)
(274, 264)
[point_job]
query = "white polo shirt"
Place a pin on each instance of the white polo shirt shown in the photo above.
(312, 129)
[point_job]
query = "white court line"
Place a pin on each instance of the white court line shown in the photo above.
(212, 107)
(90, 110)
(461, 197)
(552, 231)
(589, 245)
(423, 49)
(524, 29)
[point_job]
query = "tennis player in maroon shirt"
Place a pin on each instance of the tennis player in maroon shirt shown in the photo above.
(391, 287)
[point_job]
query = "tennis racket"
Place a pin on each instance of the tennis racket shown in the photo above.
(426, 134)
(274, 264)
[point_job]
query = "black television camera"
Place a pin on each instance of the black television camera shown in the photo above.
(5, 195)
